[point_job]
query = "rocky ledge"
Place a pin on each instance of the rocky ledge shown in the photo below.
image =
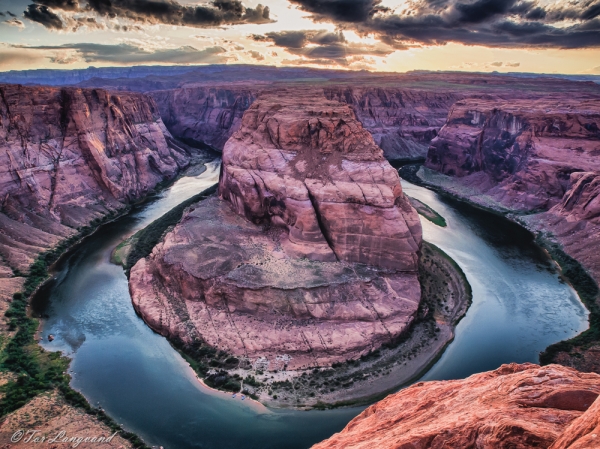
(309, 256)
(515, 406)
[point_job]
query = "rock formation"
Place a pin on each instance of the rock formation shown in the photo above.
(520, 153)
(402, 121)
(515, 406)
(70, 156)
(310, 254)
(206, 114)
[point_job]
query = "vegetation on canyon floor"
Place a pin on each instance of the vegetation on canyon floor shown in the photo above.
(33, 370)
(141, 244)
(588, 292)
(427, 212)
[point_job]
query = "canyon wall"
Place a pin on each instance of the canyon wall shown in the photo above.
(516, 406)
(205, 114)
(520, 153)
(309, 256)
(402, 121)
(70, 156)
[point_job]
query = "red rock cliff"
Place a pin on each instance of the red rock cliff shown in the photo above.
(515, 406)
(69, 156)
(402, 121)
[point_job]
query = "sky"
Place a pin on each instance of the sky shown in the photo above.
(540, 36)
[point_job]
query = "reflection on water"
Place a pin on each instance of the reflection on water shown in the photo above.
(119, 363)
(519, 304)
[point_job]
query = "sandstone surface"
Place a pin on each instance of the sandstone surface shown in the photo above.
(521, 153)
(308, 256)
(206, 114)
(515, 406)
(70, 156)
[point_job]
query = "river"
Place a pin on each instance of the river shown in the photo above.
(519, 307)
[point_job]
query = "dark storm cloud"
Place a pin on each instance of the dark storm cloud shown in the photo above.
(317, 46)
(341, 10)
(169, 12)
(130, 54)
(495, 23)
(67, 5)
(41, 14)
(218, 12)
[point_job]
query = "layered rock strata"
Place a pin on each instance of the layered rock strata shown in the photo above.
(71, 156)
(205, 114)
(308, 256)
(520, 153)
(402, 121)
(516, 406)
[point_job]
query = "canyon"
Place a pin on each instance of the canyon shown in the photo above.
(71, 157)
(309, 255)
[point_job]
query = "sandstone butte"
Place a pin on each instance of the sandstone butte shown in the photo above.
(402, 121)
(517, 406)
(539, 159)
(68, 157)
(309, 254)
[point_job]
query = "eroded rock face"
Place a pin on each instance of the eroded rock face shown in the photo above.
(207, 114)
(69, 156)
(313, 169)
(526, 149)
(402, 121)
(515, 406)
(310, 254)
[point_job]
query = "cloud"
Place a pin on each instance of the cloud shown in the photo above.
(132, 54)
(67, 5)
(256, 55)
(15, 23)
(318, 46)
(353, 11)
(41, 14)
(493, 23)
(513, 64)
(216, 13)
(11, 57)
(497, 64)
(168, 12)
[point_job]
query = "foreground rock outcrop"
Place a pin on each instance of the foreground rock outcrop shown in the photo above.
(515, 406)
(71, 156)
(309, 255)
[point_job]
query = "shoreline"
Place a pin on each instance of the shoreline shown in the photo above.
(375, 375)
(42, 273)
(570, 269)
